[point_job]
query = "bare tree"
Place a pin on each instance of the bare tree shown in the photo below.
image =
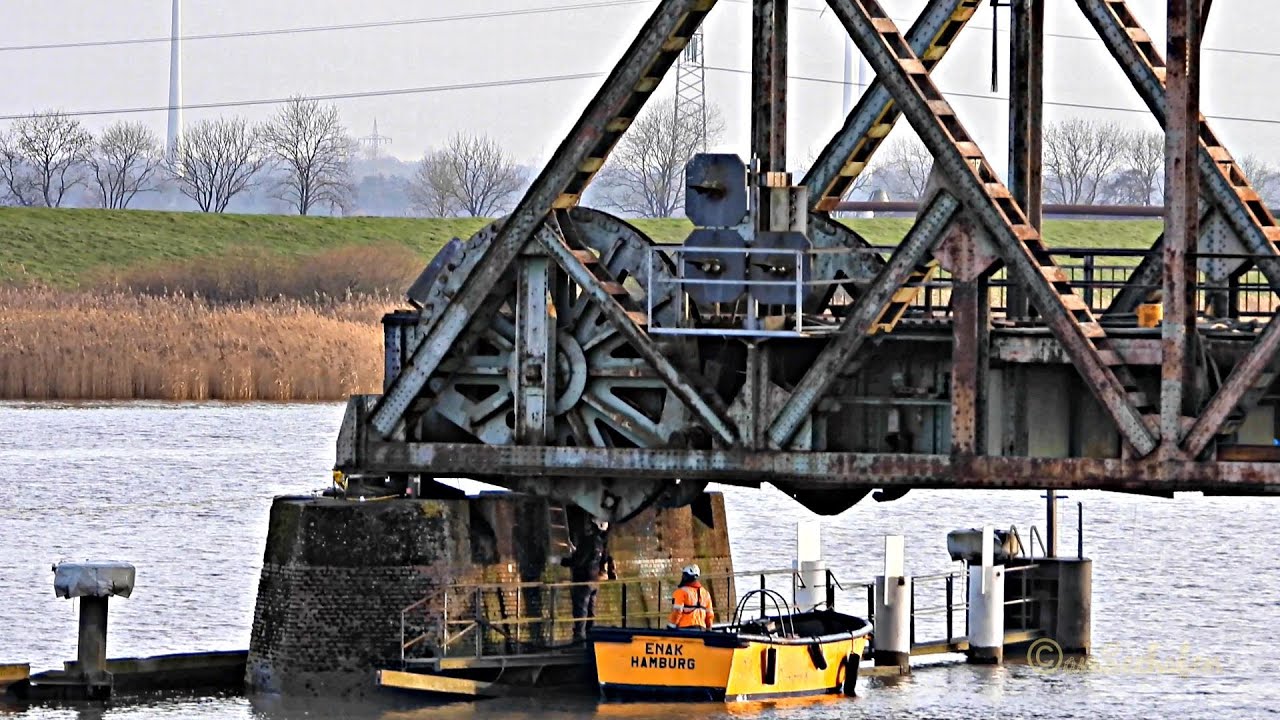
(17, 182)
(1079, 155)
(124, 161)
(471, 175)
(217, 160)
(433, 189)
(43, 157)
(1263, 176)
(903, 169)
(645, 173)
(1139, 179)
(312, 149)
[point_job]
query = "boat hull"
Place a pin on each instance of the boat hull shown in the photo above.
(678, 665)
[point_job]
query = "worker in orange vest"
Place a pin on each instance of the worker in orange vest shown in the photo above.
(691, 603)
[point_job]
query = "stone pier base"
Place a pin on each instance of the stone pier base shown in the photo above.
(337, 573)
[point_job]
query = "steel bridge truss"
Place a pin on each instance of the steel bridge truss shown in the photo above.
(529, 360)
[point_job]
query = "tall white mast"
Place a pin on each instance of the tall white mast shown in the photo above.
(175, 81)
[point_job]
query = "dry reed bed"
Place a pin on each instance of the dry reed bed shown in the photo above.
(108, 345)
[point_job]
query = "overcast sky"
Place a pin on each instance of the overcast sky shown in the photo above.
(531, 119)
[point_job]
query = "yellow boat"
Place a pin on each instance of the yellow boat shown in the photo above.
(784, 655)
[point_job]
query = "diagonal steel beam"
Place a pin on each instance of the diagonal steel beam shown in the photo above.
(714, 418)
(560, 185)
(1223, 182)
(847, 154)
(858, 325)
(1243, 377)
(979, 188)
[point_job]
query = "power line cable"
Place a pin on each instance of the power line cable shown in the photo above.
(998, 98)
(328, 28)
(329, 96)
(570, 77)
(487, 15)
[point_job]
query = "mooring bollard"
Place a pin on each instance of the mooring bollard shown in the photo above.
(94, 583)
(891, 643)
(809, 586)
(986, 605)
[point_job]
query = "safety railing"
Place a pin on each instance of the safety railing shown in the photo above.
(770, 307)
(946, 611)
(504, 620)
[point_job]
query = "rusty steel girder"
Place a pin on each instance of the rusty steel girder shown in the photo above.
(833, 471)
(860, 398)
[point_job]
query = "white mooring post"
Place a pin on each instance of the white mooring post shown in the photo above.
(986, 605)
(891, 643)
(809, 587)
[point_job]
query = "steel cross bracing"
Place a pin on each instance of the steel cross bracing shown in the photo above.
(560, 185)
(1229, 191)
(544, 259)
(844, 159)
(1067, 315)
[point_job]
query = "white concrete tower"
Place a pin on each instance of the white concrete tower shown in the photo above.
(175, 81)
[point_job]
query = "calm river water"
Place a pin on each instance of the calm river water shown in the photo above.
(1186, 591)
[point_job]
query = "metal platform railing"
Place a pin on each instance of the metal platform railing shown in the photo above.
(510, 620)
(1097, 274)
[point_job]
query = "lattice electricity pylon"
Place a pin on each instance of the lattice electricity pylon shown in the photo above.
(691, 88)
(373, 143)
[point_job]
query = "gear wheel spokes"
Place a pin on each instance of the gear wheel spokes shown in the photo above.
(605, 394)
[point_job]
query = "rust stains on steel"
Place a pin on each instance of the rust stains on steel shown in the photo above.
(1181, 223)
(978, 186)
(830, 470)
(769, 84)
(559, 185)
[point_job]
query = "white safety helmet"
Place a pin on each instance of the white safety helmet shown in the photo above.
(691, 570)
(601, 525)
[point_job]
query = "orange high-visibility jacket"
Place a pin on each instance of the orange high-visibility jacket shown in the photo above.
(691, 608)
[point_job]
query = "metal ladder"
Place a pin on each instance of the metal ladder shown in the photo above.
(1221, 175)
(931, 37)
(952, 145)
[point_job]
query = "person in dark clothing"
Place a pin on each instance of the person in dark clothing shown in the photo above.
(589, 563)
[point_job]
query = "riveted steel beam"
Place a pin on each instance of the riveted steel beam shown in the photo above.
(1026, 122)
(1222, 181)
(714, 418)
(861, 320)
(1181, 222)
(978, 187)
(826, 470)
(971, 323)
(560, 185)
(849, 152)
(1244, 377)
(535, 353)
(769, 84)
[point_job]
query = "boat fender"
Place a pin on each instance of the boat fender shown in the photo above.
(815, 654)
(849, 676)
(769, 666)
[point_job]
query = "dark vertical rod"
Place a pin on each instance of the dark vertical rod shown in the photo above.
(1026, 106)
(624, 605)
(1089, 278)
(1181, 223)
(769, 84)
(831, 590)
(1080, 530)
(763, 609)
(951, 594)
(913, 613)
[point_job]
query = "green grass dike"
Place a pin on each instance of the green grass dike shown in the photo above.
(71, 247)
